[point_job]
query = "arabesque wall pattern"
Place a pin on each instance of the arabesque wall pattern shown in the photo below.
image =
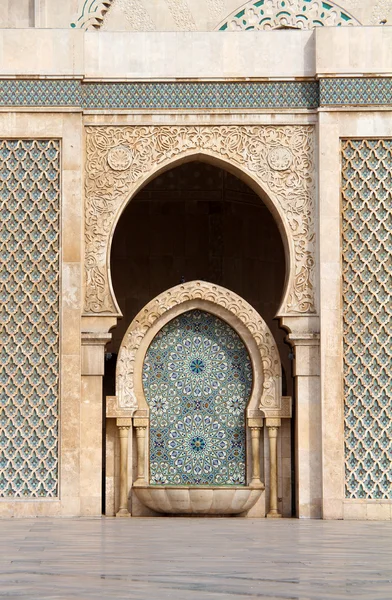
(29, 317)
(367, 316)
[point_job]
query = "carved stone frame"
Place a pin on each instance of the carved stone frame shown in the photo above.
(276, 161)
(266, 397)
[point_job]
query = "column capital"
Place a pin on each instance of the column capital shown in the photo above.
(273, 423)
(124, 423)
(255, 422)
(140, 422)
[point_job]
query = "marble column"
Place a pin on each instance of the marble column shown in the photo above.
(90, 421)
(273, 429)
(308, 424)
(124, 426)
(255, 425)
(140, 426)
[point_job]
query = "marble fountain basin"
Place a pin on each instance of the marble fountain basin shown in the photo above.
(210, 500)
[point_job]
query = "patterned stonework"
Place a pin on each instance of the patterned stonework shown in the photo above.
(29, 317)
(197, 378)
(290, 189)
(135, 14)
(367, 316)
(277, 14)
(270, 400)
(181, 14)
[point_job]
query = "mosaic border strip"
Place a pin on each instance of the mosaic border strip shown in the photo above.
(182, 95)
(356, 91)
(338, 91)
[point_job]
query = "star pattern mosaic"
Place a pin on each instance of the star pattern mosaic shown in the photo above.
(197, 378)
(367, 316)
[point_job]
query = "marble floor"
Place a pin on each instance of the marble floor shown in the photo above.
(195, 559)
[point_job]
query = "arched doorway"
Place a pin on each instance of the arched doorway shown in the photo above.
(197, 221)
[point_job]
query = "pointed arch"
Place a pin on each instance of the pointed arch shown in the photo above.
(225, 304)
(276, 162)
(282, 14)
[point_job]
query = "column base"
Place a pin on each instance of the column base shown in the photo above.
(274, 515)
(123, 513)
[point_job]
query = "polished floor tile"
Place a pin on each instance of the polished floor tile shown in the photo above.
(195, 559)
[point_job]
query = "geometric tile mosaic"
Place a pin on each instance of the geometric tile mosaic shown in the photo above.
(356, 91)
(367, 316)
(29, 317)
(44, 92)
(187, 95)
(197, 95)
(191, 95)
(156, 95)
(197, 378)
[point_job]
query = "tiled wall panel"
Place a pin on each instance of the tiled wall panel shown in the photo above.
(29, 317)
(367, 316)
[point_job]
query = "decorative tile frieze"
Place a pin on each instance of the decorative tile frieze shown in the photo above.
(29, 317)
(197, 378)
(367, 316)
(355, 91)
(239, 95)
(42, 92)
(187, 95)
(155, 95)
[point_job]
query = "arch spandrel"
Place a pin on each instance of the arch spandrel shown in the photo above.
(277, 162)
(239, 314)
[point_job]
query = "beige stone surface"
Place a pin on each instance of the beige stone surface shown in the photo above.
(41, 52)
(160, 15)
(195, 55)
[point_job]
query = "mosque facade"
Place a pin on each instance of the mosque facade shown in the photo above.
(196, 242)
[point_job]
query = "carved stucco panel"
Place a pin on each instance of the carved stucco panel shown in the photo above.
(279, 159)
(201, 290)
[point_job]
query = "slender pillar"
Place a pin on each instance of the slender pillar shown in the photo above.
(90, 420)
(273, 428)
(255, 425)
(123, 429)
(141, 429)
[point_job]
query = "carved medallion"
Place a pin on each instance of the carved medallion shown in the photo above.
(120, 158)
(280, 158)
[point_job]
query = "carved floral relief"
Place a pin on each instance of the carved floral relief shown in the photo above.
(279, 159)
